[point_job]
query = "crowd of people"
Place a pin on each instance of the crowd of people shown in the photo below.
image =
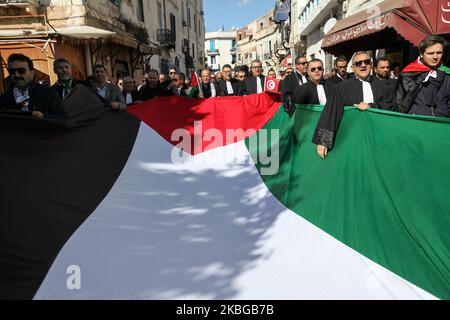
(421, 89)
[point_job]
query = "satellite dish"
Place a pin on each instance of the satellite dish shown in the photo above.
(329, 25)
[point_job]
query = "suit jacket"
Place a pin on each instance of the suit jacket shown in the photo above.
(135, 96)
(113, 94)
(290, 83)
(249, 85)
(307, 93)
(146, 92)
(42, 98)
(60, 88)
(222, 90)
(174, 91)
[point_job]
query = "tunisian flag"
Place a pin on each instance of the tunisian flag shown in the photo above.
(272, 85)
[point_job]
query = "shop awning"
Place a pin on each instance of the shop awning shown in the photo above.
(411, 19)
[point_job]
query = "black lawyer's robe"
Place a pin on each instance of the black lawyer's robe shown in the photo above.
(307, 93)
(346, 93)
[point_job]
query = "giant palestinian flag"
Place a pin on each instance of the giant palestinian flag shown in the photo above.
(223, 199)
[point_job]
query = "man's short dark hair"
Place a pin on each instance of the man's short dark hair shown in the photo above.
(22, 58)
(378, 60)
(182, 76)
(315, 60)
(226, 66)
(340, 58)
(97, 66)
(60, 60)
(429, 41)
(298, 59)
(153, 71)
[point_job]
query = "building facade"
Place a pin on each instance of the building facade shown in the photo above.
(260, 39)
(127, 36)
(220, 49)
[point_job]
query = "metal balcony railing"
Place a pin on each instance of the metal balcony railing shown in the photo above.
(166, 38)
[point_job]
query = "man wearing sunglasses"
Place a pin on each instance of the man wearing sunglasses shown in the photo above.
(316, 90)
(255, 81)
(292, 82)
(26, 97)
(297, 78)
(422, 88)
(357, 91)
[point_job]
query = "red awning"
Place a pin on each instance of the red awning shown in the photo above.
(412, 19)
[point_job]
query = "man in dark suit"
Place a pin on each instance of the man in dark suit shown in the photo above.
(153, 87)
(66, 83)
(178, 86)
(227, 86)
(255, 82)
(295, 79)
(26, 97)
(341, 65)
(316, 90)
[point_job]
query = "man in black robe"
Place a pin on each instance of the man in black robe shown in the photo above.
(26, 97)
(130, 93)
(340, 65)
(227, 86)
(293, 81)
(357, 91)
(422, 89)
(255, 82)
(383, 85)
(316, 90)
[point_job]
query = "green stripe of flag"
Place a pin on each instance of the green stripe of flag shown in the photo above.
(383, 190)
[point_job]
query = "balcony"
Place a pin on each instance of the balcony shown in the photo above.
(19, 6)
(166, 38)
(212, 52)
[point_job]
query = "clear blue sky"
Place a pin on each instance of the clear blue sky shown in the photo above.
(233, 13)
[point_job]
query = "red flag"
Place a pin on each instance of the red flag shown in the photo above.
(194, 81)
(272, 85)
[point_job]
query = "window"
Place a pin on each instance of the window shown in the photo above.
(140, 9)
(213, 59)
(195, 21)
(193, 51)
(233, 59)
(233, 44)
(160, 15)
(189, 17)
(212, 45)
(173, 26)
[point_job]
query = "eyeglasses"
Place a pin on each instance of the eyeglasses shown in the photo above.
(289, 72)
(367, 62)
(174, 80)
(318, 69)
(302, 63)
(257, 67)
(172, 73)
(20, 71)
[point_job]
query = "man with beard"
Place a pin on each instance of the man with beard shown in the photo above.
(255, 81)
(316, 90)
(66, 83)
(228, 86)
(383, 85)
(153, 87)
(25, 97)
(422, 89)
(356, 91)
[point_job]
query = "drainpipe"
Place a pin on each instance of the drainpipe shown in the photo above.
(88, 59)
